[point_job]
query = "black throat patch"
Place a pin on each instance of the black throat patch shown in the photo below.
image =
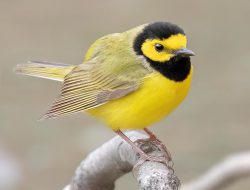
(176, 69)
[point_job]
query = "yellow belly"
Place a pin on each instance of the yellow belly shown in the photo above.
(155, 99)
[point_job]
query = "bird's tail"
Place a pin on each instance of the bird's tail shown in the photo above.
(44, 69)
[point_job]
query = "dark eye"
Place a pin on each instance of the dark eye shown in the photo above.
(159, 47)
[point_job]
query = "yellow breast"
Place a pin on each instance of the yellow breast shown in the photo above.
(155, 99)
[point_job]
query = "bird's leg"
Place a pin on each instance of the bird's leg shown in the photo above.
(142, 154)
(153, 138)
(151, 135)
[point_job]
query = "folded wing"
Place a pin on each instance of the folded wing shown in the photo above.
(88, 86)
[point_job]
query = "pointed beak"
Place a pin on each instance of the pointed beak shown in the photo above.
(184, 52)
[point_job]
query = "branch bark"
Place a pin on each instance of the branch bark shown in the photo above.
(113, 159)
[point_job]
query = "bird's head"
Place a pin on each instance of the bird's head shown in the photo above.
(164, 46)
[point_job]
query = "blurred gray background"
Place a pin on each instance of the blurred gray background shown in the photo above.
(211, 124)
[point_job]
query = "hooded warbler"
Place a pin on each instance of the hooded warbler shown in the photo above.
(129, 80)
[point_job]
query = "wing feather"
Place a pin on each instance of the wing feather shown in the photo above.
(86, 87)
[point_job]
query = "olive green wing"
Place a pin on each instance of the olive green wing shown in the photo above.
(90, 85)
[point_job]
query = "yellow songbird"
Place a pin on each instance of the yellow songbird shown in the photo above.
(129, 80)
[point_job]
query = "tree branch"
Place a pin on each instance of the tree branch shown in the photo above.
(113, 159)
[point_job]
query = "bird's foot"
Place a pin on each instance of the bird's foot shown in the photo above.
(145, 146)
(153, 139)
(148, 145)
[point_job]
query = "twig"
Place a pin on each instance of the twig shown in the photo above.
(231, 169)
(113, 159)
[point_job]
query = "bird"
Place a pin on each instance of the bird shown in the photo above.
(128, 80)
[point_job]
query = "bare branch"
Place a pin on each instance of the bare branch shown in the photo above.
(113, 159)
(231, 169)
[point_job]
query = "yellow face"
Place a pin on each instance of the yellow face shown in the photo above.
(163, 50)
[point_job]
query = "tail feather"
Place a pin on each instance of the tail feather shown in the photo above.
(44, 69)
